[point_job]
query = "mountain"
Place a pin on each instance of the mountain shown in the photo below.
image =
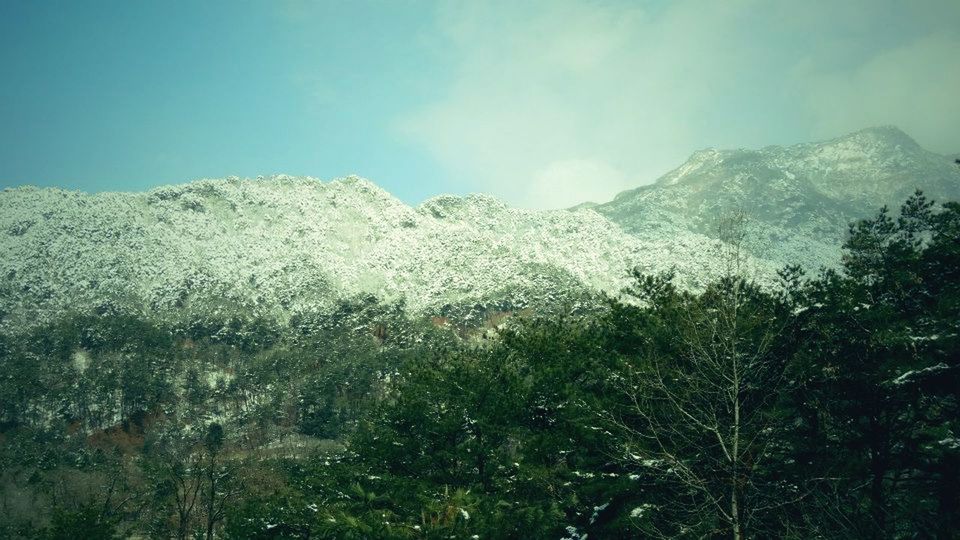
(800, 199)
(282, 246)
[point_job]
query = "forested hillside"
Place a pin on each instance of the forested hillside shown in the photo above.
(825, 406)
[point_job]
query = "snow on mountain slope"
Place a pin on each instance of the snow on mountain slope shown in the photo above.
(800, 198)
(283, 245)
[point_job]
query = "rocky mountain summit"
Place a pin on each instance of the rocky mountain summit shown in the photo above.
(281, 246)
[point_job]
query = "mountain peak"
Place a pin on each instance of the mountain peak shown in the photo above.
(699, 160)
(802, 195)
(879, 136)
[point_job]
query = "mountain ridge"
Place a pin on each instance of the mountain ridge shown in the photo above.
(282, 245)
(289, 245)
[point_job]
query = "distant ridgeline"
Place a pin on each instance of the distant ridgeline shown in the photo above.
(286, 247)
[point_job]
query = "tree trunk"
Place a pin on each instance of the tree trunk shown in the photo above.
(948, 498)
(878, 469)
(735, 457)
(211, 518)
(735, 512)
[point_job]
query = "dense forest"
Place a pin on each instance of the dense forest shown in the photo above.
(825, 407)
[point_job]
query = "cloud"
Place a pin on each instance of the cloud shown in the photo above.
(914, 86)
(562, 183)
(553, 88)
(553, 103)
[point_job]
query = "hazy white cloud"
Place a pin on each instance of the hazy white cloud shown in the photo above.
(561, 183)
(915, 86)
(554, 103)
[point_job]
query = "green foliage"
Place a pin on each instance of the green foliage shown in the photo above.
(83, 523)
(875, 384)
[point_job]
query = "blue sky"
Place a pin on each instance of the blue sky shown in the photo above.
(544, 104)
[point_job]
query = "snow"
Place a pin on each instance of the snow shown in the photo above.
(597, 510)
(952, 443)
(912, 374)
(285, 245)
(640, 510)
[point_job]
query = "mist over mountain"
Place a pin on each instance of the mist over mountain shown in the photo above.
(282, 245)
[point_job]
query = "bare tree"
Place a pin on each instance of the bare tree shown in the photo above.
(197, 477)
(695, 417)
(182, 473)
(221, 478)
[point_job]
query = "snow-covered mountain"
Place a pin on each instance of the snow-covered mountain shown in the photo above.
(799, 198)
(282, 245)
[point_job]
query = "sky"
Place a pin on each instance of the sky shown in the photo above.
(544, 104)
